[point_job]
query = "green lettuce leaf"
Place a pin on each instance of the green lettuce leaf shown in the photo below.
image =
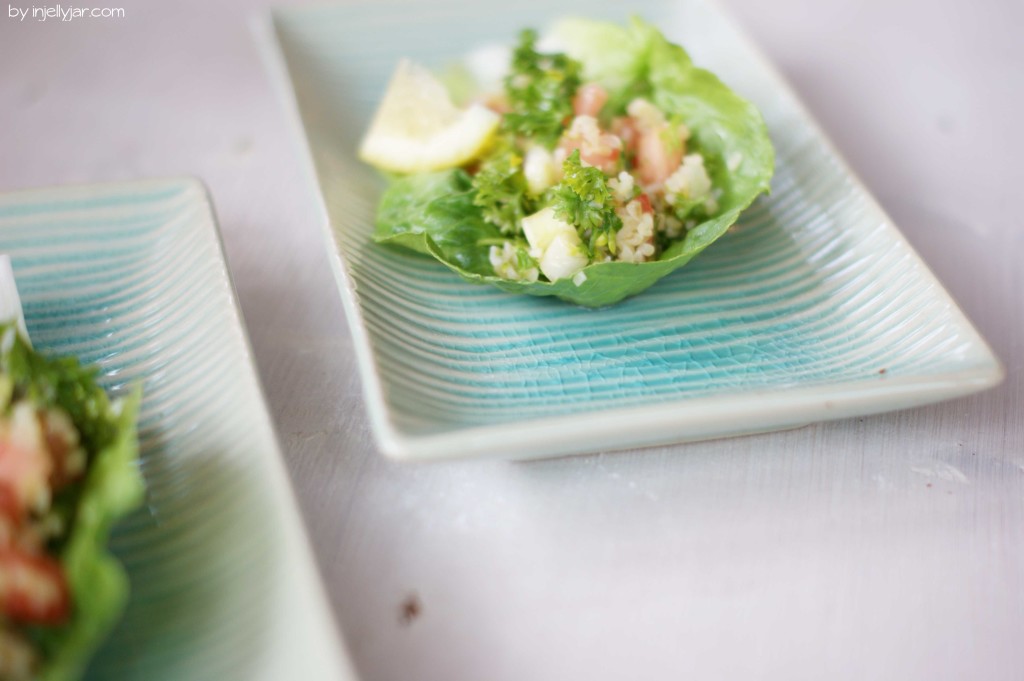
(111, 488)
(434, 213)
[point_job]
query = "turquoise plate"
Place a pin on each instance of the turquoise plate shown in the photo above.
(813, 307)
(131, 277)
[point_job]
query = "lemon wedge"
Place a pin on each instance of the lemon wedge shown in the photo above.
(418, 129)
(10, 302)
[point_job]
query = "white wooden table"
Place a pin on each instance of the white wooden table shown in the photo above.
(889, 547)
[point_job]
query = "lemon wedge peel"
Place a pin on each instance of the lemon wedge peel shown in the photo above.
(417, 128)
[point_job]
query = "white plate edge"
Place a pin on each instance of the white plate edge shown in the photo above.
(299, 552)
(285, 502)
(466, 442)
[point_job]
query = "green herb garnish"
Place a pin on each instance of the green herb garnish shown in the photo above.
(583, 199)
(500, 188)
(540, 89)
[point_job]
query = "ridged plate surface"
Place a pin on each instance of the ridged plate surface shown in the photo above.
(131, 277)
(813, 307)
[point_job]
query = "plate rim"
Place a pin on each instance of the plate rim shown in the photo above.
(275, 473)
(818, 403)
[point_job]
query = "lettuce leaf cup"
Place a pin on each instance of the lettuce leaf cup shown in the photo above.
(604, 161)
(67, 473)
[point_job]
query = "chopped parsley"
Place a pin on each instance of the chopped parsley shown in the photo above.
(540, 89)
(583, 199)
(500, 188)
(61, 382)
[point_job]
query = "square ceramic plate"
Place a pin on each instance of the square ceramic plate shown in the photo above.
(131, 277)
(813, 307)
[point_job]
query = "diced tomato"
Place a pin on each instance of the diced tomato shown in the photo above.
(625, 129)
(597, 148)
(645, 203)
(608, 162)
(589, 99)
(32, 588)
(9, 505)
(655, 160)
(10, 516)
(25, 464)
(606, 159)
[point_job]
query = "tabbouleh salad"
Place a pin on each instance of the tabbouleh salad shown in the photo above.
(596, 162)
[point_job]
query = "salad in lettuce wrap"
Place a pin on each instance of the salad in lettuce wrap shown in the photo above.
(585, 165)
(67, 471)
